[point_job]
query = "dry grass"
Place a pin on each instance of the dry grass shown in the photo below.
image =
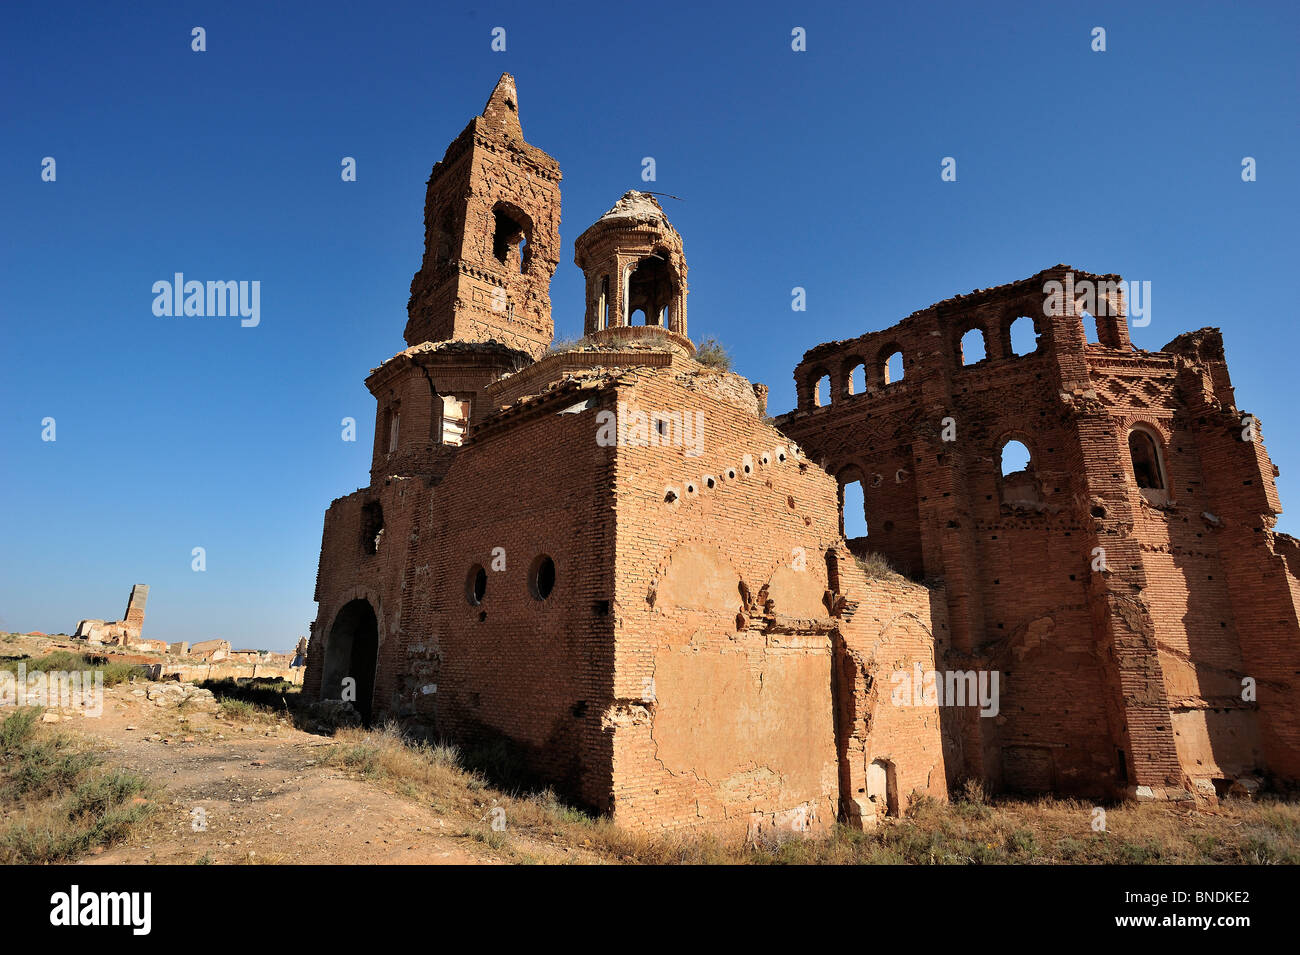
(1060, 831)
(561, 345)
(435, 775)
(57, 799)
(971, 830)
(875, 564)
(242, 711)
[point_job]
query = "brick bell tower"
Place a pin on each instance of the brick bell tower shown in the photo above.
(480, 304)
(491, 236)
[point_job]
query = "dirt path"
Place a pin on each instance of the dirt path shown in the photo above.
(257, 793)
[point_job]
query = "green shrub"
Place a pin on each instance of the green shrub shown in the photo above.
(275, 694)
(66, 661)
(711, 353)
(56, 798)
(18, 728)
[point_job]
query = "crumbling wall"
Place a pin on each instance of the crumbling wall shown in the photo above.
(475, 282)
(1238, 502)
(364, 554)
(722, 712)
(124, 632)
(198, 673)
(1012, 552)
(895, 743)
(1118, 616)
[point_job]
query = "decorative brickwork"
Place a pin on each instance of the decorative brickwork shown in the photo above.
(491, 236)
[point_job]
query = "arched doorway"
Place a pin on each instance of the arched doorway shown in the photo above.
(882, 787)
(352, 651)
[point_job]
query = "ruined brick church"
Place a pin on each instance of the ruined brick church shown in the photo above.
(609, 559)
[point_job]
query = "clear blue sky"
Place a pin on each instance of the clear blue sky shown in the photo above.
(818, 169)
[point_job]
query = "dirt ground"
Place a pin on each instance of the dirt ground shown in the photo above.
(258, 792)
(253, 793)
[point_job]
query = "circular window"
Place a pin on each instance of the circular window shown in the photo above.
(476, 584)
(541, 577)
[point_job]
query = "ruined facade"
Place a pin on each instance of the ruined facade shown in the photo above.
(126, 631)
(608, 560)
(1127, 584)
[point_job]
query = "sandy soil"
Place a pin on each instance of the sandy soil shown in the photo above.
(257, 793)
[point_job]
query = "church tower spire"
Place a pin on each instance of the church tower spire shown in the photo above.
(492, 240)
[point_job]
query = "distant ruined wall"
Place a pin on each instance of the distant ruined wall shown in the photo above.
(125, 631)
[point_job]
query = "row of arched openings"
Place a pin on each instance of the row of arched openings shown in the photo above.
(1022, 339)
(890, 367)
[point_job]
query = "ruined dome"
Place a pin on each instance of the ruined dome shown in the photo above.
(636, 207)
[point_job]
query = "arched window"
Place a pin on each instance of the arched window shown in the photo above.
(541, 577)
(393, 421)
(1148, 468)
(1023, 336)
(1014, 457)
(820, 384)
(1146, 459)
(891, 366)
(971, 348)
(855, 376)
(372, 527)
(602, 305)
(510, 237)
(1016, 466)
(1090, 329)
(853, 504)
(651, 287)
(455, 419)
(444, 237)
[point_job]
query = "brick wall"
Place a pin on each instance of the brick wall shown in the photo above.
(1127, 675)
(722, 708)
